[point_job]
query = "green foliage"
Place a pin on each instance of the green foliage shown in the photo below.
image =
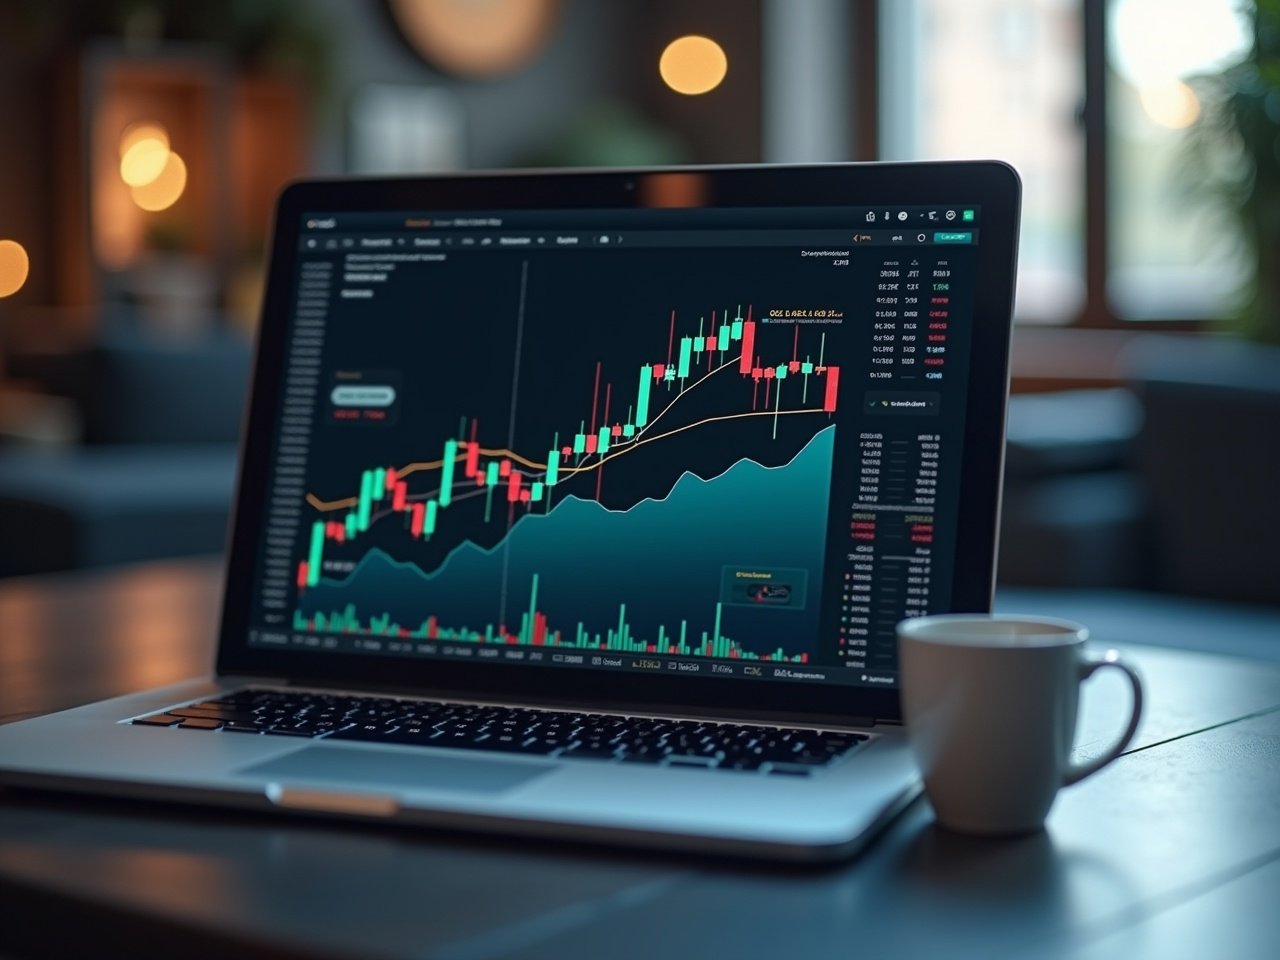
(1235, 153)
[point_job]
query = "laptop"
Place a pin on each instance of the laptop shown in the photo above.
(584, 505)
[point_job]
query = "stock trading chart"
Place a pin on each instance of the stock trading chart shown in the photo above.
(635, 452)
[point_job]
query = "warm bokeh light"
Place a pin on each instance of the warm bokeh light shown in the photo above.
(146, 130)
(163, 192)
(1173, 105)
(693, 65)
(14, 267)
(144, 161)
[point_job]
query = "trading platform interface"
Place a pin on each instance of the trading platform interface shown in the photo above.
(707, 443)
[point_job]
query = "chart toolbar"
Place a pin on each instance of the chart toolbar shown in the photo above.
(630, 239)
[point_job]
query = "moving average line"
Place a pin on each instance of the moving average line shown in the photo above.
(324, 506)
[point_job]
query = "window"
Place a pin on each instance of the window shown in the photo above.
(1008, 79)
(1174, 254)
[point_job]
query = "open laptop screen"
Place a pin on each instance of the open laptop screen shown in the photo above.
(721, 444)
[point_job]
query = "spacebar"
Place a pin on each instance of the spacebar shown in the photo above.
(495, 745)
(421, 739)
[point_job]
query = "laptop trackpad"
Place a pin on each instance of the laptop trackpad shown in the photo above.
(397, 769)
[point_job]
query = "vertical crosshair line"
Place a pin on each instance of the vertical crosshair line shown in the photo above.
(511, 428)
(515, 369)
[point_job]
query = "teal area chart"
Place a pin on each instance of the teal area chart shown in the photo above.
(728, 566)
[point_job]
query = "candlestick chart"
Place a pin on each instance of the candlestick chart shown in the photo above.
(566, 543)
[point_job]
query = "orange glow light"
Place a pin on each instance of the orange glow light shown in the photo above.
(692, 65)
(144, 161)
(14, 267)
(163, 192)
(136, 132)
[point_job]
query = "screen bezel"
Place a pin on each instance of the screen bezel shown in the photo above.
(992, 186)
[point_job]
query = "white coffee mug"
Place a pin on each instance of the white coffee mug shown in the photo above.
(990, 705)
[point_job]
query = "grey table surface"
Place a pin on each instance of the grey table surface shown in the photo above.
(1172, 851)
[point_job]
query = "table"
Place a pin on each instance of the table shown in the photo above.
(1172, 851)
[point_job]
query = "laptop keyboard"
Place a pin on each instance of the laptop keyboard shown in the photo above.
(600, 737)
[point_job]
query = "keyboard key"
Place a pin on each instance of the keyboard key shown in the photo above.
(234, 727)
(199, 723)
(224, 714)
(501, 741)
(679, 760)
(423, 736)
(361, 733)
(650, 757)
(515, 746)
(543, 745)
(159, 720)
(598, 752)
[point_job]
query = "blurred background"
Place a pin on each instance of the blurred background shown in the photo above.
(142, 143)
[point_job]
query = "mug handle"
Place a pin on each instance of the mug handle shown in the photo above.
(1089, 665)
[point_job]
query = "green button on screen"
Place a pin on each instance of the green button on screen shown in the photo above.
(959, 237)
